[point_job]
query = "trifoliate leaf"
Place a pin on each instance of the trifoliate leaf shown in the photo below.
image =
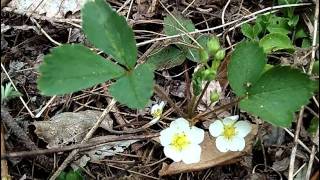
(246, 65)
(110, 32)
(70, 68)
(134, 89)
(278, 94)
(276, 41)
(166, 58)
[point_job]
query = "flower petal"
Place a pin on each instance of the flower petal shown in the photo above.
(216, 128)
(154, 108)
(243, 128)
(180, 125)
(237, 143)
(171, 153)
(191, 154)
(222, 144)
(166, 136)
(195, 135)
(230, 120)
(162, 104)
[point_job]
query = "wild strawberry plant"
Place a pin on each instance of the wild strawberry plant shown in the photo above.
(272, 93)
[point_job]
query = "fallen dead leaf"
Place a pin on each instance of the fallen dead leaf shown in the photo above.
(69, 127)
(210, 156)
(51, 8)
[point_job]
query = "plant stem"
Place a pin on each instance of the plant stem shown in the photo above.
(226, 106)
(190, 106)
(163, 95)
(194, 106)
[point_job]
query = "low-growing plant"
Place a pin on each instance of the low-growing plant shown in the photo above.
(273, 93)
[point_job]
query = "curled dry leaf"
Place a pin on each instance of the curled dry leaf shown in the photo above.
(69, 127)
(51, 8)
(210, 156)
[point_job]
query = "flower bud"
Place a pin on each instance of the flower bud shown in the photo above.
(214, 96)
(204, 56)
(213, 45)
(209, 74)
(220, 55)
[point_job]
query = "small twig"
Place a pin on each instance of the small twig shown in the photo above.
(164, 96)
(130, 7)
(4, 164)
(312, 156)
(227, 24)
(86, 138)
(98, 142)
(294, 149)
(45, 33)
(188, 6)
(222, 19)
(226, 106)
(15, 88)
(45, 107)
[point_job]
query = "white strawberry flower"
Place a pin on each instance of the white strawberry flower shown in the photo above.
(230, 133)
(181, 142)
(156, 111)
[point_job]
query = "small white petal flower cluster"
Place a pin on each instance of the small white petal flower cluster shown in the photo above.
(182, 141)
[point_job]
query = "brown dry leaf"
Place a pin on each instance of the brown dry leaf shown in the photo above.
(51, 8)
(69, 127)
(205, 104)
(210, 156)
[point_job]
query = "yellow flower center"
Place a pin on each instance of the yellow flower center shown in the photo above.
(157, 113)
(229, 131)
(180, 141)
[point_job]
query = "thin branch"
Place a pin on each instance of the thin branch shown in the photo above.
(194, 106)
(100, 141)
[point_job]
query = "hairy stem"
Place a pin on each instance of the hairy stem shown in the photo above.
(194, 106)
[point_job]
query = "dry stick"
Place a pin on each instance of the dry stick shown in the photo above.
(4, 164)
(100, 141)
(164, 96)
(294, 149)
(88, 136)
(222, 19)
(224, 25)
(228, 105)
(15, 88)
(313, 55)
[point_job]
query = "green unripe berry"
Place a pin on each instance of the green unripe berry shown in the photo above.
(204, 56)
(220, 55)
(214, 96)
(213, 45)
(208, 74)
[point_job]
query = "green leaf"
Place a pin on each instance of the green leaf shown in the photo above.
(109, 32)
(247, 63)
(247, 31)
(69, 68)
(293, 21)
(193, 53)
(166, 58)
(278, 25)
(134, 89)
(276, 41)
(278, 94)
(197, 79)
(172, 27)
(74, 175)
(300, 33)
(306, 43)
